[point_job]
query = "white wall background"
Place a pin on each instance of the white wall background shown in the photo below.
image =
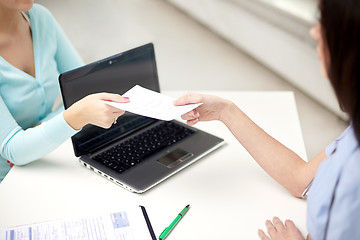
(292, 57)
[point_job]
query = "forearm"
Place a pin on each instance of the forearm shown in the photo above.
(284, 165)
(26, 146)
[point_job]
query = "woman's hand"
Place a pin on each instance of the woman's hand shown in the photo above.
(278, 231)
(91, 110)
(212, 107)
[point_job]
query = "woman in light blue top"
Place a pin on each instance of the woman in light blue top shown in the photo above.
(33, 52)
(332, 177)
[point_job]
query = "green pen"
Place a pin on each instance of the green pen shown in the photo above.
(167, 230)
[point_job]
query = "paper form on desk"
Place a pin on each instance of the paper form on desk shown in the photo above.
(152, 104)
(124, 225)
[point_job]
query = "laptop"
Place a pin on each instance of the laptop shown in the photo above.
(136, 152)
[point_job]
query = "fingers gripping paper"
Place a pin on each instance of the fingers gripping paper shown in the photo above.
(152, 104)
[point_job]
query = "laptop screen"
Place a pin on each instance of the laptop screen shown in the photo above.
(116, 74)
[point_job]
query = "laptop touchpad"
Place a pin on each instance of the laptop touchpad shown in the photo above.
(175, 157)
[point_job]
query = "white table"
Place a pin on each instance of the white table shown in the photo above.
(230, 195)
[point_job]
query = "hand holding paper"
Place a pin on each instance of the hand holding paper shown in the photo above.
(152, 104)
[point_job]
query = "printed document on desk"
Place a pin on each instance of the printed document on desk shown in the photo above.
(123, 225)
(152, 104)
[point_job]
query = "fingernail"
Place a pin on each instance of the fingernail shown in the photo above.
(126, 98)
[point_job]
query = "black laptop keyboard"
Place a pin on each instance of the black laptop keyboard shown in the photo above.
(124, 156)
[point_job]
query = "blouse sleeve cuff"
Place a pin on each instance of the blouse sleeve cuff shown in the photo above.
(60, 128)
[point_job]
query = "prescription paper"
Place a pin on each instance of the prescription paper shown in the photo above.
(122, 225)
(152, 104)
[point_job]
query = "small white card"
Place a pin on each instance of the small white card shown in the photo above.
(152, 104)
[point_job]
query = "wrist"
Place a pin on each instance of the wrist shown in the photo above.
(226, 111)
(73, 118)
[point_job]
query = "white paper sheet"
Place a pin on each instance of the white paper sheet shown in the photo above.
(123, 225)
(152, 104)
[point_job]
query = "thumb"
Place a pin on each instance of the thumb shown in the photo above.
(113, 97)
(188, 98)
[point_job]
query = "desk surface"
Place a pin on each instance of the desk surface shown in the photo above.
(230, 195)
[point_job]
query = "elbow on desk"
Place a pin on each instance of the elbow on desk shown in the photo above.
(15, 161)
(298, 191)
(24, 159)
(22, 148)
(297, 194)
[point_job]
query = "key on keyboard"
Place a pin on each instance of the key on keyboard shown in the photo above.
(133, 151)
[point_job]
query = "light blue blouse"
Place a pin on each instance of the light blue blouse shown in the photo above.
(26, 101)
(334, 196)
